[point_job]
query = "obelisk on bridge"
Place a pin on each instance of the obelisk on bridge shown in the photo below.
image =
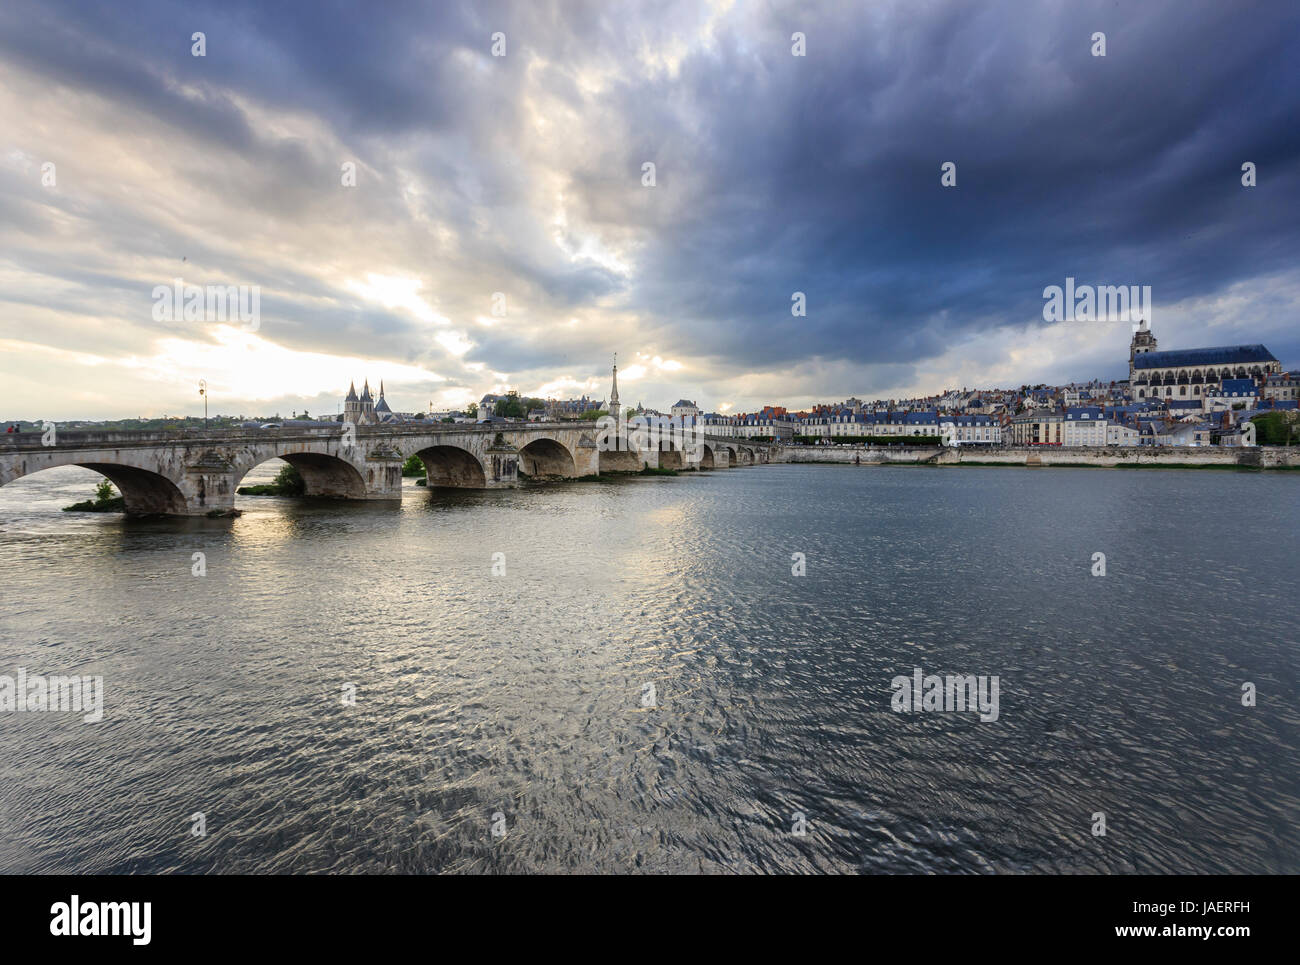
(613, 393)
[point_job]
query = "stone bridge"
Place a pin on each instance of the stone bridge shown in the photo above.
(196, 473)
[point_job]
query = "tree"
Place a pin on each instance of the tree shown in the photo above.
(514, 407)
(289, 482)
(509, 407)
(1275, 429)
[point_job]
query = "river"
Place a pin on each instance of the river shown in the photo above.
(628, 676)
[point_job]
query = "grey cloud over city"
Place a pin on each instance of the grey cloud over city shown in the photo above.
(522, 175)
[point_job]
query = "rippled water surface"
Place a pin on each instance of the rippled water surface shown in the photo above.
(523, 693)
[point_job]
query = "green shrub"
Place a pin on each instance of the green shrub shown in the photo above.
(288, 482)
(106, 501)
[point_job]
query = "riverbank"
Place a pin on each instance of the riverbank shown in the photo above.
(1253, 458)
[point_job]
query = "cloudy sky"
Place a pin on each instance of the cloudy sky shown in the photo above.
(126, 163)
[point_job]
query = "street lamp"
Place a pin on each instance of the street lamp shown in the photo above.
(203, 391)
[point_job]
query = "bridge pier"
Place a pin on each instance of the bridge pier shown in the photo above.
(672, 459)
(502, 470)
(383, 478)
(586, 458)
(693, 457)
(212, 482)
(627, 460)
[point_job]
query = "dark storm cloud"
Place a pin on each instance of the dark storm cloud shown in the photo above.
(822, 175)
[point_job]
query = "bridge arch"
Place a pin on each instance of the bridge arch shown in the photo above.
(144, 492)
(546, 457)
(451, 467)
(322, 474)
(741, 455)
(706, 457)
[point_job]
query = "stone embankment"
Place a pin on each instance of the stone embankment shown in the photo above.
(1109, 457)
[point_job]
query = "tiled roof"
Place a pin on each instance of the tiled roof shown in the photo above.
(1222, 355)
(1237, 387)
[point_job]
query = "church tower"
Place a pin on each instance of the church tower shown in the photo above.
(367, 405)
(351, 405)
(613, 393)
(1143, 342)
(382, 412)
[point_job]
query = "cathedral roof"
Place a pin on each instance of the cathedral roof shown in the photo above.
(365, 392)
(1222, 355)
(352, 393)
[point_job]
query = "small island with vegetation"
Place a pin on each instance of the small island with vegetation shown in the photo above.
(106, 501)
(288, 482)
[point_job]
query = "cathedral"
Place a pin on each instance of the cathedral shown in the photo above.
(1191, 373)
(366, 410)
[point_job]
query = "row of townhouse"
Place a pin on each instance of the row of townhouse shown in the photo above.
(966, 429)
(1086, 414)
(747, 426)
(1174, 423)
(1282, 387)
(1079, 426)
(771, 422)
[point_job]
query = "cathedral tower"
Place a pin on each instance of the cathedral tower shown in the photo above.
(1143, 342)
